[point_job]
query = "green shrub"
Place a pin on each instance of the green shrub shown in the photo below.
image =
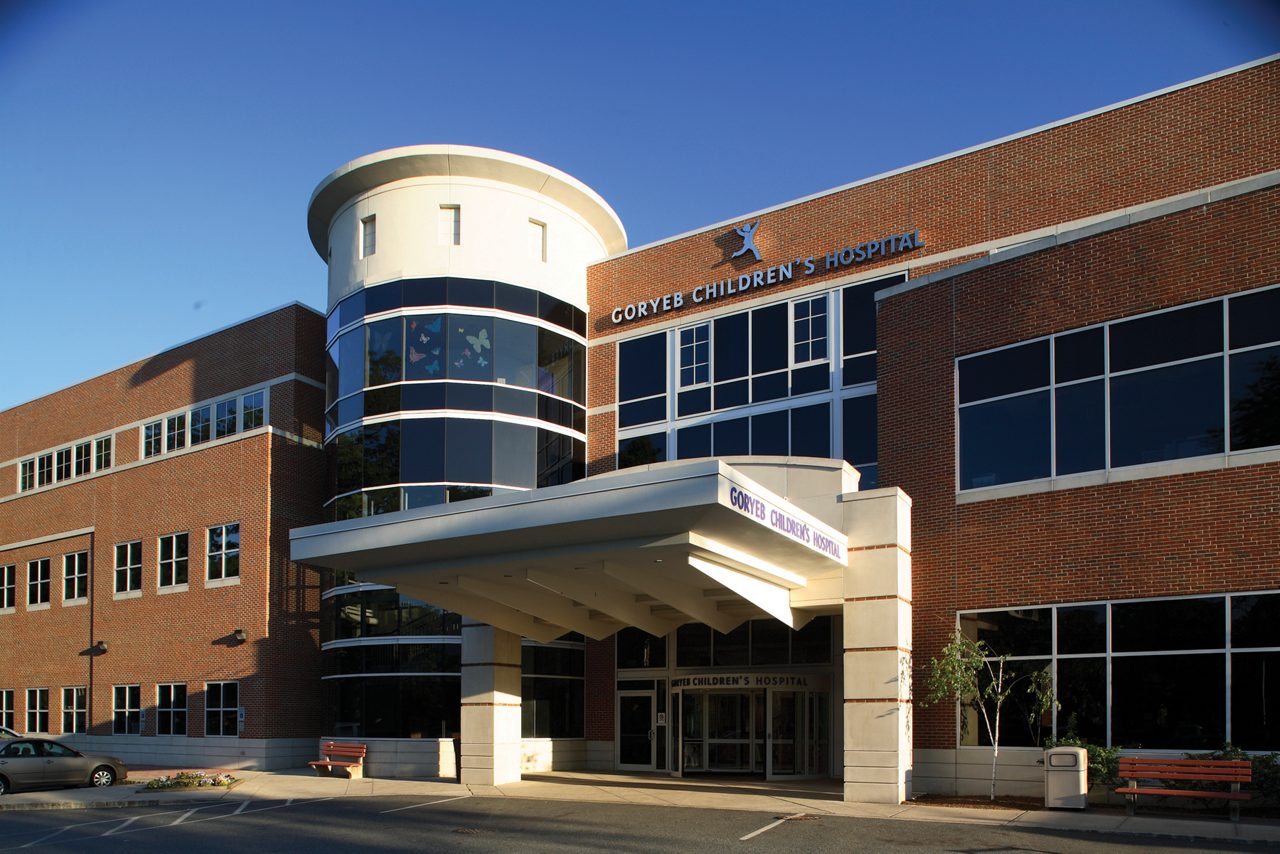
(1104, 762)
(1266, 770)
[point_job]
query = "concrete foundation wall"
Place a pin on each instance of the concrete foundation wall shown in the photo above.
(553, 754)
(967, 771)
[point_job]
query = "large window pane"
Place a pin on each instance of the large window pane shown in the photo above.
(811, 431)
(642, 367)
(1004, 441)
(642, 450)
(1255, 700)
(693, 442)
(385, 344)
(1082, 691)
(561, 366)
(1081, 427)
(859, 319)
(812, 644)
(468, 450)
(1166, 337)
(552, 708)
(381, 453)
(733, 649)
(1255, 621)
(769, 434)
(769, 338)
(1021, 725)
(1022, 631)
(470, 347)
(693, 645)
(1078, 355)
(351, 356)
(770, 643)
(1172, 702)
(1168, 624)
(859, 428)
(515, 454)
(1167, 413)
(731, 438)
(425, 355)
(1007, 371)
(638, 648)
(422, 450)
(1081, 629)
(1255, 398)
(1255, 318)
(731, 342)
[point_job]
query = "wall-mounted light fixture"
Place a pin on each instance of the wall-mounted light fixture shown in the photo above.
(100, 647)
(239, 635)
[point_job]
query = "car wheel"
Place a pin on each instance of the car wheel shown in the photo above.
(102, 777)
(4, 785)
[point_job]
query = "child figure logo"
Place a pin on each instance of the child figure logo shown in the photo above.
(748, 235)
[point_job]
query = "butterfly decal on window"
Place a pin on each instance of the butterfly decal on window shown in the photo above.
(414, 356)
(481, 362)
(480, 341)
(382, 340)
(433, 326)
(424, 339)
(434, 367)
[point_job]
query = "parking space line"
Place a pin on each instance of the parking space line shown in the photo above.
(122, 826)
(43, 838)
(240, 808)
(770, 826)
(180, 819)
(427, 804)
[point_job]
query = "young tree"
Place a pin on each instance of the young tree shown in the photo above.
(958, 677)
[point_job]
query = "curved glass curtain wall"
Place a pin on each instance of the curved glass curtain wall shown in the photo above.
(481, 395)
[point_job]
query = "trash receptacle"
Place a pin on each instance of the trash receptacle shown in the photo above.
(1066, 778)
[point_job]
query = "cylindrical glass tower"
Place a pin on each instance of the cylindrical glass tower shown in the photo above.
(456, 369)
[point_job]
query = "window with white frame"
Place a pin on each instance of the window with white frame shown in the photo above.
(224, 423)
(171, 709)
(1189, 381)
(38, 710)
(809, 330)
(102, 453)
(27, 475)
(221, 708)
(84, 458)
(537, 240)
(368, 236)
(695, 355)
(173, 560)
(152, 439)
(6, 708)
(75, 709)
(450, 232)
(253, 411)
(38, 582)
(128, 575)
(201, 422)
(8, 586)
(126, 710)
(75, 577)
(44, 470)
(62, 466)
(223, 552)
(175, 433)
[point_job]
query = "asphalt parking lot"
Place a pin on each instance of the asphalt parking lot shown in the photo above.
(464, 823)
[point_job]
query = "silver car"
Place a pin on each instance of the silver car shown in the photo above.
(5, 733)
(34, 763)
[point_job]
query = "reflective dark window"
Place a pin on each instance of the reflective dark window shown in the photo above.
(552, 708)
(515, 353)
(468, 396)
(1019, 727)
(468, 450)
(694, 402)
(561, 459)
(1255, 318)
(423, 496)
(733, 649)
(1082, 691)
(693, 442)
(642, 367)
(1081, 427)
(1168, 624)
(423, 396)
(638, 648)
(1255, 398)
(470, 347)
(812, 643)
(1004, 441)
(454, 494)
(347, 453)
(380, 401)
(811, 431)
(811, 379)
(642, 450)
(425, 292)
(514, 401)
(379, 501)
(422, 450)
(351, 355)
(474, 292)
(859, 319)
(731, 347)
(515, 299)
(381, 453)
(769, 387)
(1025, 631)
(1255, 621)
(860, 369)
(1006, 371)
(1078, 355)
(556, 311)
(642, 412)
(1082, 628)
(770, 643)
(425, 356)
(351, 308)
(1255, 695)
(859, 429)
(1167, 413)
(770, 434)
(562, 366)
(1166, 337)
(732, 394)
(385, 351)
(769, 338)
(732, 438)
(1152, 708)
(515, 454)
(693, 645)
(384, 297)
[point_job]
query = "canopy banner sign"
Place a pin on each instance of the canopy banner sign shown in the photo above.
(789, 523)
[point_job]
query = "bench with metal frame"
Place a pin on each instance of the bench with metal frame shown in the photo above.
(1135, 769)
(341, 754)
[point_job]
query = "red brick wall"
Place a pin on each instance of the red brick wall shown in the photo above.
(266, 482)
(1189, 139)
(601, 679)
(1192, 533)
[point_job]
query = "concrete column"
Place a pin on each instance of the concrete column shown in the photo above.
(490, 705)
(877, 647)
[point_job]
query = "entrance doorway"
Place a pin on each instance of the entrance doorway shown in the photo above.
(637, 740)
(777, 733)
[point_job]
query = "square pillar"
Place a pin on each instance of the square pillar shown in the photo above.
(490, 706)
(877, 647)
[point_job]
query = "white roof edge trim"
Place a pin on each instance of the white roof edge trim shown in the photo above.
(1236, 69)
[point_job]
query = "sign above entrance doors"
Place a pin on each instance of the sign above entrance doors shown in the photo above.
(790, 524)
(752, 680)
(774, 274)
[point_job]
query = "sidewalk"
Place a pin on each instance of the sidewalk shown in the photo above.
(780, 799)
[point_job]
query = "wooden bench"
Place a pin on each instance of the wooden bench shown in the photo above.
(1234, 771)
(339, 754)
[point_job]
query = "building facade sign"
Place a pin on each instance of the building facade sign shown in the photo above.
(825, 541)
(836, 259)
(750, 680)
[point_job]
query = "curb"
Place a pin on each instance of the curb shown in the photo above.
(88, 805)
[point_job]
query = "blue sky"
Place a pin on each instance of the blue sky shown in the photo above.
(158, 156)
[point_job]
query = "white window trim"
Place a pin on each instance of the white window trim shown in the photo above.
(185, 709)
(75, 600)
(128, 592)
(224, 580)
(791, 330)
(142, 715)
(368, 224)
(172, 588)
(710, 350)
(238, 707)
(36, 710)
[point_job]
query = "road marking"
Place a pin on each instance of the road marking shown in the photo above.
(427, 804)
(770, 826)
(43, 838)
(123, 825)
(240, 808)
(180, 819)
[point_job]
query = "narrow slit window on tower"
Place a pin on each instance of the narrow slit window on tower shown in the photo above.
(451, 225)
(537, 240)
(368, 236)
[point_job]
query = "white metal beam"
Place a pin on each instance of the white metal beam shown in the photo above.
(601, 594)
(770, 598)
(540, 603)
(685, 598)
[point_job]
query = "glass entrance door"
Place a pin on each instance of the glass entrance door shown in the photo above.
(636, 736)
(798, 736)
